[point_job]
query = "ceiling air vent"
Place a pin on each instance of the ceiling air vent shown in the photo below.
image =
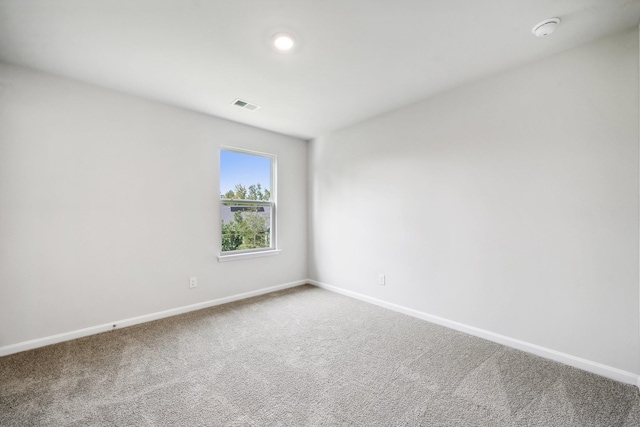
(244, 104)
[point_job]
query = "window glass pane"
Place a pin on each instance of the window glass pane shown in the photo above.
(247, 206)
(245, 226)
(245, 175)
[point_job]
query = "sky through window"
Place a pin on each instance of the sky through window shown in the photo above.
(245, 169)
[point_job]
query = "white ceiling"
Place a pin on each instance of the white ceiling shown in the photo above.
(355, 58)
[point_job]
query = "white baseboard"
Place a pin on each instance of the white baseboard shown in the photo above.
(567, 359)
(577, 362)
(66, 336)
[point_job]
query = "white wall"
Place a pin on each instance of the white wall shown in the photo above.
(510, 204)
(108, 203)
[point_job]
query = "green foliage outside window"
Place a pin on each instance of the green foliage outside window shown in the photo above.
(251, 225)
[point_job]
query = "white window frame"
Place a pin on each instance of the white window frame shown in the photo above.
(272, 203)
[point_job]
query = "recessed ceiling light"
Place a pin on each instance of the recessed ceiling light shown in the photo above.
(283, 41)
(545, 27)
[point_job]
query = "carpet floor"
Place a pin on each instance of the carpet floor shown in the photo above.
(301, 357)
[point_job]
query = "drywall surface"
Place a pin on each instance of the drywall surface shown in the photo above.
(109, 203)
(510, 204)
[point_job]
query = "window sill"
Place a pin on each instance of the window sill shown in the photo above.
(246, 255)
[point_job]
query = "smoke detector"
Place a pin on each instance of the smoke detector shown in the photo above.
(545, 27)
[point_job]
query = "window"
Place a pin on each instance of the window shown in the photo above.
(247, 204)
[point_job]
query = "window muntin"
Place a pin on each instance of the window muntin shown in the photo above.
(247, 202)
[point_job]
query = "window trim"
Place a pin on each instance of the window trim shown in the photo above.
(253, 253)
(272, 202)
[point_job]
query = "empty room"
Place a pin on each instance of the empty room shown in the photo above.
(319, 213)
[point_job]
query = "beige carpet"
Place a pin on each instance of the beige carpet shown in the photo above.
(300, 357)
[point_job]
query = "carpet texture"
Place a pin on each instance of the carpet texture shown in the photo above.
(300, 357)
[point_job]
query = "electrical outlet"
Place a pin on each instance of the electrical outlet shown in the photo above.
(381, 279)
(193, 282)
